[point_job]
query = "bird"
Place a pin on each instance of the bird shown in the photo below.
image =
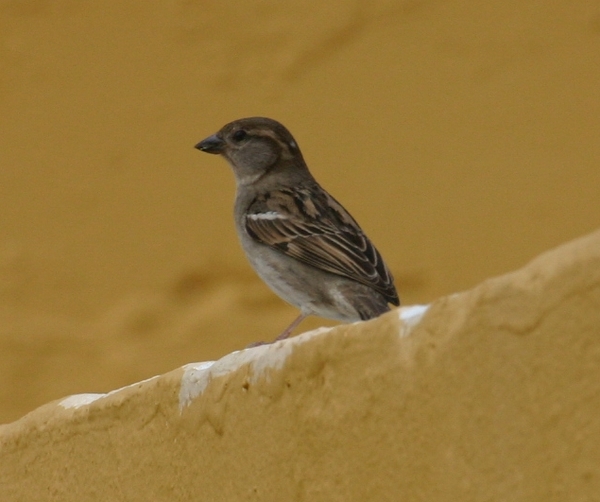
(300, 241)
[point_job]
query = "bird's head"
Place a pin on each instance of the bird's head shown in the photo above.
(254, 147)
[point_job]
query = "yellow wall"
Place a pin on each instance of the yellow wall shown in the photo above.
(462, 135)
(488, 395)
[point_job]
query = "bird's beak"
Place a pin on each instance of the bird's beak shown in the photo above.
(212, 144)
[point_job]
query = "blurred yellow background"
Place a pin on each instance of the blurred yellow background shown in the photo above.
(464, 137)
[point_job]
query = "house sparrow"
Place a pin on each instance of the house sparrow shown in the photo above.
(299, 239)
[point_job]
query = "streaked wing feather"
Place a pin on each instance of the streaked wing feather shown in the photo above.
(321, 234)
(328, 254)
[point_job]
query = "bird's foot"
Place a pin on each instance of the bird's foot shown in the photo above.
(286, 333)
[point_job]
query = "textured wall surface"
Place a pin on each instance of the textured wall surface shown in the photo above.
(463, 137)
(490, 394)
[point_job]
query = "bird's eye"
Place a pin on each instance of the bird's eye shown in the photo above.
(239, 135)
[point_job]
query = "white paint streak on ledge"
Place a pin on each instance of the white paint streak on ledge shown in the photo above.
(410, 317)
(197, 376)
(79, 400)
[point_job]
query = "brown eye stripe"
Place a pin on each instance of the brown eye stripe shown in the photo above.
(287, 145)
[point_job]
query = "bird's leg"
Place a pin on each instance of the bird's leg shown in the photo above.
(286, 332)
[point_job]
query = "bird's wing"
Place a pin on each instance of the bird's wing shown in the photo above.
(312, 227)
